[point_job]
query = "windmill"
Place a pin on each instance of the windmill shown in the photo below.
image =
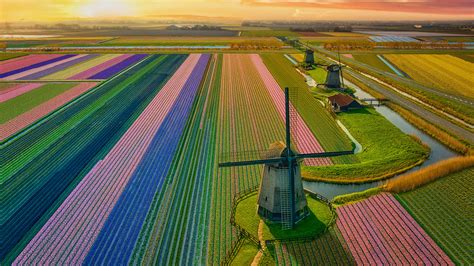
(282, 176)
(334, 79)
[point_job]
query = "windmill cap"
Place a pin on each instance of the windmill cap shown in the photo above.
(277, 149)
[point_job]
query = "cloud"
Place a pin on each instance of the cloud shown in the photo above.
(446, 7)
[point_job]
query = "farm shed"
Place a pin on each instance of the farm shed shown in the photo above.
(342, 102)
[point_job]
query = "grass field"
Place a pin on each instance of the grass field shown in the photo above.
(444, 72)
(193, 41)
(372, 60)
(18, 105)
(246, 254)
(318, 74)
(445, 210)
(322, 124)
(379, 157)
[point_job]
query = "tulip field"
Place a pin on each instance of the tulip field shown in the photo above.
(66, 67)
(444, 204)
(379, 231)
(113, 159)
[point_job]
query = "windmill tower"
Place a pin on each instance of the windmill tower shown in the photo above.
(333, 79)
(309, 57)
(281, 196)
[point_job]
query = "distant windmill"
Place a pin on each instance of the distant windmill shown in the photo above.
(309, 57)
(281, 197)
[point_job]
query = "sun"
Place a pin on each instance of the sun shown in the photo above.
(106, 8)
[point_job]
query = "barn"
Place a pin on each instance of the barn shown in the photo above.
(343, 102)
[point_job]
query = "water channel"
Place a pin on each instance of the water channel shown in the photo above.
(438, 152)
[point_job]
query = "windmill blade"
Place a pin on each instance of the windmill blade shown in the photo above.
(323, 154)
(249, 155)
(252, 162)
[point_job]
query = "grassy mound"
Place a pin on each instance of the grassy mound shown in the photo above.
(319, 219)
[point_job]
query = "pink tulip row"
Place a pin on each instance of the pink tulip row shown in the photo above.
(98, 68)
(18, 90)
(379, 231)
(306, 141)
(27, 118)
(24, 61)
(41, 68)
(70, 232)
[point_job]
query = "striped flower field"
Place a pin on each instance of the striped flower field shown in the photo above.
(113, 160)
(379, 231)
(66, 67)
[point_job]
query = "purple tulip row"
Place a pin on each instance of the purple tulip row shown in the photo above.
(16, 64)
(40, 66)
(69, 234)
(379, 231)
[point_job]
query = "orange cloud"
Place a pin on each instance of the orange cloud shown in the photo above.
(446, 7)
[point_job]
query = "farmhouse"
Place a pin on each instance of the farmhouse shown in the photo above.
(342, 102)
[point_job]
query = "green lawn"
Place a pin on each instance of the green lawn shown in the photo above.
(246, 254)
(319, 218)
(445, 210)
(318, 74)
(385, 150)
(25, 102)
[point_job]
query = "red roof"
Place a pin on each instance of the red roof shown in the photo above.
(341, 99)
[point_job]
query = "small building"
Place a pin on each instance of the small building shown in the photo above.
(343, 102)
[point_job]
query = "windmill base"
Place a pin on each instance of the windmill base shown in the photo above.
(270, 217)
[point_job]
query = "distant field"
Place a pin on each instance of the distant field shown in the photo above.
(6, 56)
(269, 33)
(312, 34)
(445, 72)
(330, 39)
(465, 57)
(372, 60)
(445, 210)
(344, 34)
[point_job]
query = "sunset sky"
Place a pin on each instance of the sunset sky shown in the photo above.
(57, 10)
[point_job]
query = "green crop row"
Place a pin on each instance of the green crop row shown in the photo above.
(444, 209)
(27, 101)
